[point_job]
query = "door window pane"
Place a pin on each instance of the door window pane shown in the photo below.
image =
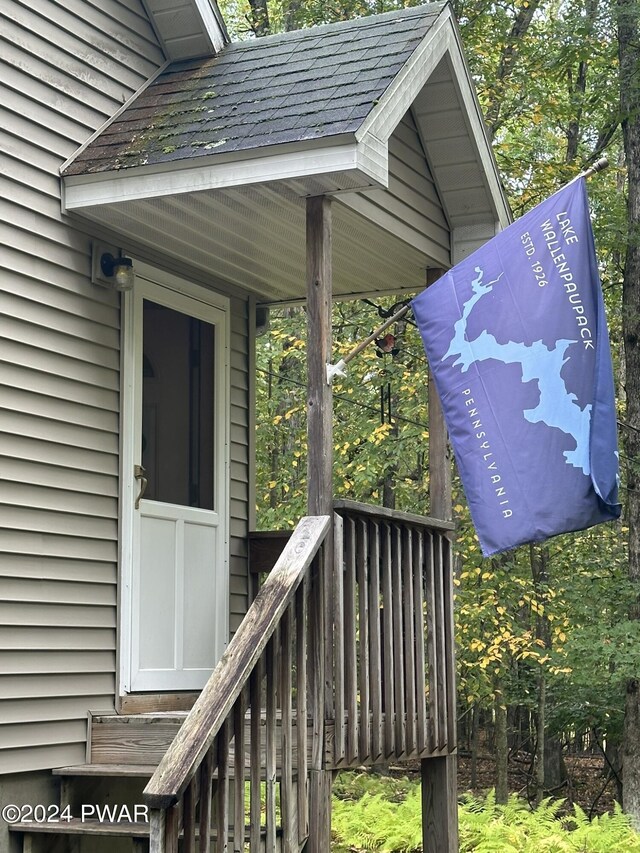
(177, 407)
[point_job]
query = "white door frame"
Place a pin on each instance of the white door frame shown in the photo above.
(172, 288)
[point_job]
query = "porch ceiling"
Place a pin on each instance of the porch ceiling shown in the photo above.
(254, 237)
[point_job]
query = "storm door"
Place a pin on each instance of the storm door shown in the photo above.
(179, 566)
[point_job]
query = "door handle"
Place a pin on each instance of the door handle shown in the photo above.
(140, 474)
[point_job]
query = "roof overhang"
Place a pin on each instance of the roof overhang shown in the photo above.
(187, 28)
(242, 215)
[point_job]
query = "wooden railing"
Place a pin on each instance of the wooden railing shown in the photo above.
(393, 628)
(250, 722)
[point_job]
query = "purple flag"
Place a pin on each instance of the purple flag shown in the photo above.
(517, 341)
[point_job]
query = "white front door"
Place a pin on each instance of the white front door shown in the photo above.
(176, 600)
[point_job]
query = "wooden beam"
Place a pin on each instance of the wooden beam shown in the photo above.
(319, 494)
(319, 339)
(439, 785)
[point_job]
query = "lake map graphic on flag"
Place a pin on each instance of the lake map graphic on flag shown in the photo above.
(517, 341)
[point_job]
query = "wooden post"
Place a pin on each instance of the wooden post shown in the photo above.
(439, 784)
(320, 502)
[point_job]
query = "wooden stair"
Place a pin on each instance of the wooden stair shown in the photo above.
(98, 798)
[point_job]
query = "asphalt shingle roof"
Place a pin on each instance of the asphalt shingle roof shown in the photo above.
(303, 85)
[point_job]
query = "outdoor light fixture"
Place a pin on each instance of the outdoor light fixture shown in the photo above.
(109, 270)
(120, 268)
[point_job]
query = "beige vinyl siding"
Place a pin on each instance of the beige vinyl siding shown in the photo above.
(410, 208)
(239, 464)
(68, 65)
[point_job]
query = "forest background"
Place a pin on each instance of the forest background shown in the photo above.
(548, 637)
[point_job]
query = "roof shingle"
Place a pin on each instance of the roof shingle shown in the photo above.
(302, 85)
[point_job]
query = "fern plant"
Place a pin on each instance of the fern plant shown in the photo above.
(373, 813)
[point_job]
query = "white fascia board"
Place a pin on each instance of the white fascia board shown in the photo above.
(462, 77)
(213, 24)
(406, 86)
(173, 179)
(442, 38)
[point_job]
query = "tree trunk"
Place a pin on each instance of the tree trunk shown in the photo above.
(629, 55)
(475, 734)
(540, 748)
(502, 748)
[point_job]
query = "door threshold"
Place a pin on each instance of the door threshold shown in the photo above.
(150, 703)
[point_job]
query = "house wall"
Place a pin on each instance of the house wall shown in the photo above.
(66, 68)
(411, 207)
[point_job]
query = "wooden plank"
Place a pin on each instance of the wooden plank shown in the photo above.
(350, 637)
(287, 804)
(375, 656)
(420, 634)
(439, 805)
(238, 773)
(172, 829)
(319, 494)
(338, 640)
(189, 818)
(449, 643)
(362, 572)
(439, 799)
(255, 795)
(387, 515)
(319, 354)
(398, 642)
(271, 666)
(409, 639)
(441, 663)
(433, 721)
(387, 645)
(223, 688)
(301, 708)
(222, 788)
(206, 787)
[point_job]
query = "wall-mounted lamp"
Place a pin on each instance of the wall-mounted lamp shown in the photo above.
(109, 270)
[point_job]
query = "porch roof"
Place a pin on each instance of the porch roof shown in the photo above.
(212, 159)
(299, 86)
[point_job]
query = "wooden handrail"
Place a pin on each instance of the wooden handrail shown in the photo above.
(384, 514)
(181, 761)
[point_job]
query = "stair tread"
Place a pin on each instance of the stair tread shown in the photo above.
(137, 770)
(77, 826)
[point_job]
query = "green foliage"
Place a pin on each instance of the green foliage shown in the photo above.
(368, 817)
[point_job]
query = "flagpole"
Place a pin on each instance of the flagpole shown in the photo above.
(599, 166)
(338, 369)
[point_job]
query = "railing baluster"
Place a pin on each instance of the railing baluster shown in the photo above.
(450, 648)
(255, 763)
(301, 708)
(206, 788)
(398, 642)
(441, 658)
(223, 788)
(350, 634)
(409, 638)
(270, 742)
(238, 773)
(172, 829)
(338, 640)
(362, 570)
(389, 673)
(287, 805)
(189, 818)
(433, 728)
(375, 659)
(419, 620)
